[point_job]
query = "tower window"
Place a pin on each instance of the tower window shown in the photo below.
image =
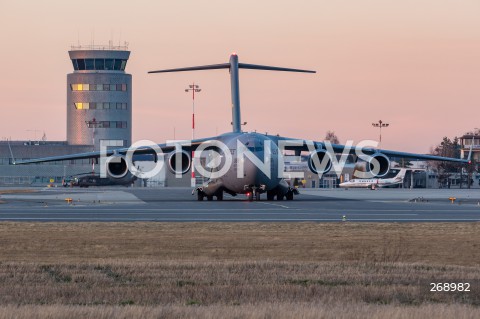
(118, 64)
(81, 64)
(108, 64)
(99, 64)
(89, 64)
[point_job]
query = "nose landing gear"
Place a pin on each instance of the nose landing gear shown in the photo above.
(254, 192)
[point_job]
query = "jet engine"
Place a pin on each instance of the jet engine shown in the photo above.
(179, 162)
(377, 165)
(324, 160)
(117, 166)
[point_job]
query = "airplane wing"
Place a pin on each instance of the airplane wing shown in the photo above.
(339, 148)
(166, 148)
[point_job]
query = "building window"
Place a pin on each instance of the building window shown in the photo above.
(98, 87)
(81, 64)
(118, 64)
(74, 62)
(82, 106)
(108, 64)
(99, 64)
(107, 124)
(89, 64)
(100, 106)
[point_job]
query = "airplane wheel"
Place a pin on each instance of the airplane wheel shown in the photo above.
(257, 196)
(209, 197)
(270, 196)
(199, 196)
(220, 196)
(289, 195)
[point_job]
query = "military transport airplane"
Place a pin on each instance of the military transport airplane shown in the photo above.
(374, 183)
(246, 162)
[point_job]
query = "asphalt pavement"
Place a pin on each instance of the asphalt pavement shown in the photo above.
(178, 205)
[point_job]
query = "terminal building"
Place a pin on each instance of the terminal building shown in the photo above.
(98, 107)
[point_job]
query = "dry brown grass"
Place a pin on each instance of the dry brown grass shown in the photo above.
(256, 311)
(245, 270)
(428, 243)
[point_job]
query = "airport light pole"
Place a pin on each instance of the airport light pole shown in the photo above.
(380, 124)
(195, 89)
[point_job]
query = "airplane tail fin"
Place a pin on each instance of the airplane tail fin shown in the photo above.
(234, 66)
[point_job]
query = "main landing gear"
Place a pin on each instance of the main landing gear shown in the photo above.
(280, 195)
(201, 195)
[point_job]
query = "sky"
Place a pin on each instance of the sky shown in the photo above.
(412, 64)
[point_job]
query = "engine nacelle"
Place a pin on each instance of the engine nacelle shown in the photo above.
(377, 165)
(117, 166)
(324, 161)
(179, 162)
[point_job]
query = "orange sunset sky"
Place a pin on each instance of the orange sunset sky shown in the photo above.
(413, 64)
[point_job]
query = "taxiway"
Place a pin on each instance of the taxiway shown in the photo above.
(178, 205)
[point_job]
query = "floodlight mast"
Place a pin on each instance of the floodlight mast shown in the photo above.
(380, 124)
(194, 88)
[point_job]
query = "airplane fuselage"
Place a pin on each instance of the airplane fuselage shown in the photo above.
(254, 167)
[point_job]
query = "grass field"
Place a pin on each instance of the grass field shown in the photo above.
(241, 270)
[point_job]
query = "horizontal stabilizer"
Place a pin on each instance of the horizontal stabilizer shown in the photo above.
(270, 68)
(227, 66)
(196, 68)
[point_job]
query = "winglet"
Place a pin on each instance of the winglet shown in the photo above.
(469, 158)
(11, 153)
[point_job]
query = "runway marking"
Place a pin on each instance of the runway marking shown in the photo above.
(99, 209)
(194, 213)
(283, 206)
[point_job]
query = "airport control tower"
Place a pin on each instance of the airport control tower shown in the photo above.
(99, 96)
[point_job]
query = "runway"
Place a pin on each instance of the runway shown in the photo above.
(178, 205)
